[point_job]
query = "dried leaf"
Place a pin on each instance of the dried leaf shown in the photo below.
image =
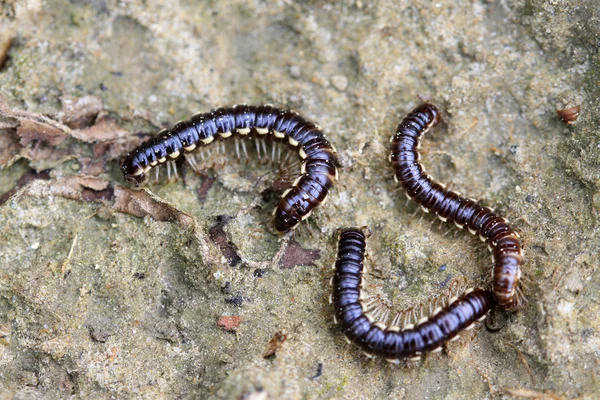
(70, 187)
(9, 147)
(24, 180)
(91, 166)
(295, 254)
(41, 137)
(81, 112)
(221, 239)
(532, 394)
(143, 202)
(30, 130)
(106, 129)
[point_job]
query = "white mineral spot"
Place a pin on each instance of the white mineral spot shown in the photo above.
(340, 82)
(295, 71)
(565, 307)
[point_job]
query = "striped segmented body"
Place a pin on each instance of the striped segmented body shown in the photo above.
(308, 191)
(394, 342)
(433, 197)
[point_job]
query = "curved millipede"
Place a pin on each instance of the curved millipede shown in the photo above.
(308, 191)
(449, 206)
(394, 342)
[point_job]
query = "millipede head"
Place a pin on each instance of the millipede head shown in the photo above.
(436, 115)
(132, 171)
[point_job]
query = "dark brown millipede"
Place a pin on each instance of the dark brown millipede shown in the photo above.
(449, 206)
(261, 122)
(404, 337)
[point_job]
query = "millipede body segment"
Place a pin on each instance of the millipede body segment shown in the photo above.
(449, 206)
(394, 342)
(261, 122)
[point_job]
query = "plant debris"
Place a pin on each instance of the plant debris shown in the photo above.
(141, 203)
(275, 343)
(6, 41)
(24, 180)
(295, 255)
(42, 139)
(229, 322)
(222, 240)
(69, 187)
(81, 112)
(569, 115)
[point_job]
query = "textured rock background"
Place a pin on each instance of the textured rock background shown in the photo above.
(97, 302)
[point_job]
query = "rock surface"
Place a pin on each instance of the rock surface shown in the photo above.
(108, 292)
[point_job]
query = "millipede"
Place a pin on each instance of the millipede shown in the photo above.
(417, 334)
(309, 190)
(433, 197)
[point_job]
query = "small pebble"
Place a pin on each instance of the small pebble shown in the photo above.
(340, 82)
(596, 200)
(229, 323)
(295, 71)
(227, 288)
(442, 268)
(259, 272)
(99, 333)
(35, 246)
(226, 358)
(235, 300)
(367, 174)
(344, 159)
(139, 275)
(27, 378)
(166, 330)
(295, 101)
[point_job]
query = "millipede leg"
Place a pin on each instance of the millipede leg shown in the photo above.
(272, 152)
(258, 149)
(175, 170)
(245, 150)
(264, 147)
(192, 162)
